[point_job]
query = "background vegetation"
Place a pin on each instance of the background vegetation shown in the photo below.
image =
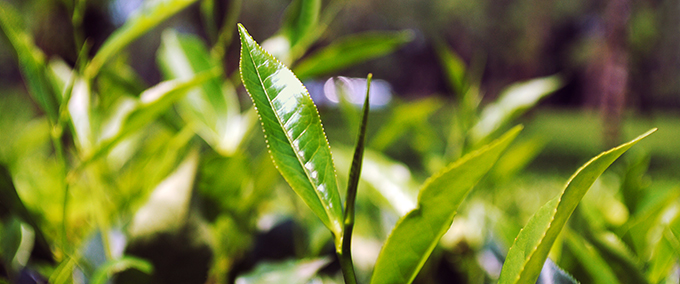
(129, 146)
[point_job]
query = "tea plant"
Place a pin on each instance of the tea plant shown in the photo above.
(118, 181)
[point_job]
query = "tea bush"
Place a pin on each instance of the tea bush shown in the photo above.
(115, 181)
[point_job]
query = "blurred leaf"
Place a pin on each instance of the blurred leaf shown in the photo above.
(144, 19)
(63, 274)
(511, 103)
(530, 250)
(153, 102)
(111, 267)
(350, 50)
(663, 258)
(300, 18)
(390, 179)
(402, 119)
(553, 274)
(517, 157)
(79, 110)
(454, 68)
(167, 207)
(635, 181)
(11, 205)
(415, 236)
(10, 240)
(31, 61)
(214, 108)
(293, 130)
(590, 259)
(291, 272)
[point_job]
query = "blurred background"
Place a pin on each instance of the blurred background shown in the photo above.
(619, 59)
(612, 70)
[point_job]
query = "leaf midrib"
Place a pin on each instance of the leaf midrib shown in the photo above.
(295, 150)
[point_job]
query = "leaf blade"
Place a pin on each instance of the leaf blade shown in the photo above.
(416, 234)
(295, 137)
(351, 50)
(530, 250)
(141, 22)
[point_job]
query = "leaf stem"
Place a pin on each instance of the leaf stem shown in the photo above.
(345, 254)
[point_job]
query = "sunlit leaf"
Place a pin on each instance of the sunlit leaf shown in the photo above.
(350, 50)
(152, 103)
(111, 267)
(292, 127)
(32, 62)
(415, 236)
(167, 207)
(147, 17)
(530, 250)
(511, 103)
(214, 108)
(79, 110)
(291, 272)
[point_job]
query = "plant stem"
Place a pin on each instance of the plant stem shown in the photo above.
(345, 252)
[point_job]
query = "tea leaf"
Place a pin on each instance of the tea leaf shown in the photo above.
(301, 18)
(103, 273)
(143, 20)
(511, 103)
(292, 127)
(31, 61)
(292, 271)
(350, 50)
(415, 236)
(214, 108)
(530, 250)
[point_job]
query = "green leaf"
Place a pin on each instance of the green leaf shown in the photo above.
(212, 109)
(167, 208)
(415, 236)
(345, 254)
(403, 118)
(146, 18)
(292, 127)
(292, 272)
(512, 102)
(454, 68)
(111, 267)
(590, 259)
(530, 250)
(301, 18)
(553, 274)
(12, 205)
(31, 61)
(137, 114)
(351, 50)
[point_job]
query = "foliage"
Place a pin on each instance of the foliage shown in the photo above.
(118, 181)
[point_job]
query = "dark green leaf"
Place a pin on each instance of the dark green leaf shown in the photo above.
(301, 18)
(590, 259)
(350, 50)
(31, 61)
(293, 130)
(530, 250)
(143, 20)
(415, 236)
